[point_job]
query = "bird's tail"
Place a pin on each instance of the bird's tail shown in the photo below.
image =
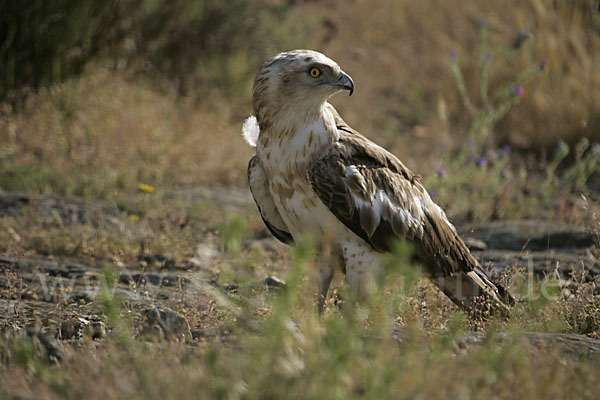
(455, 271)
(474, 291)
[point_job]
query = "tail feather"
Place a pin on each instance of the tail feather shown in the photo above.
(452, 267)
(470, 290)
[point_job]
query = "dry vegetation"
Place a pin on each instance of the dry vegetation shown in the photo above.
(144, 126)
(117, 124)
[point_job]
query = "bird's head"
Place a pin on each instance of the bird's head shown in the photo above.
(299, 80)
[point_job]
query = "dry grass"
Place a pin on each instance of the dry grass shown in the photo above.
(106, 132)
(277, 348)
(398, 54)
(101, 133)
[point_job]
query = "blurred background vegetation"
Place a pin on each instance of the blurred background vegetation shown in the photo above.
(194, 45)
(100, 96)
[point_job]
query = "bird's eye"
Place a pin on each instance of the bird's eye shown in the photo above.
(314, 72)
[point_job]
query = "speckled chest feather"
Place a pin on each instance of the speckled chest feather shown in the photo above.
(285, 155)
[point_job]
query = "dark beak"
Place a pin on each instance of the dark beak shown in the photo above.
(345, 82)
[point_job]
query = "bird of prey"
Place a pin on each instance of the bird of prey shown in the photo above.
(312, 173)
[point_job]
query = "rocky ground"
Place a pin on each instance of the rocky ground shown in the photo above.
(56, 299)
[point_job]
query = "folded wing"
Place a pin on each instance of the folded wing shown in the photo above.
(371, 192)
(264, 201)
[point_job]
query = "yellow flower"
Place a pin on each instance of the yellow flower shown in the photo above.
(145, 188)
(134, 217)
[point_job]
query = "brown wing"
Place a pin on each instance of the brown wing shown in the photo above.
(380, 200)
(264, 201)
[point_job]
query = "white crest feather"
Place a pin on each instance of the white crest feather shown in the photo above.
(250, 130)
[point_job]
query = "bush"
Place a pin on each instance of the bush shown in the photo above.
(49, 40)
(194, 44)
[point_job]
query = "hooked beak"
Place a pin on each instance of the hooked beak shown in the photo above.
(345, 83)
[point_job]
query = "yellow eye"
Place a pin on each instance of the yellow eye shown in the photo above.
(314, 72)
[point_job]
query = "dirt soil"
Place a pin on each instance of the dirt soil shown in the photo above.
(57, 299)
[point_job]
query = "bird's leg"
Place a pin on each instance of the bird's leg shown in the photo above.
(324, 275)
(330, 258)
(362, 269)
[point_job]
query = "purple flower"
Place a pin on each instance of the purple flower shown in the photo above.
(505, 150)
(452, 55)
(518, 91)
(503, 173)
(481, 161)
(441, 170)
(482, 23)
(543, 65)
(432, 194)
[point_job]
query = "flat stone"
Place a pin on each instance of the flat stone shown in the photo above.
(166, 323)
(97, 330)
(70, 329)
(273, 283)
(475, 244)
(528, 235)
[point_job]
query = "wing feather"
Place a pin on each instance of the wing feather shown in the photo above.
(381, 200)
(259, 188)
